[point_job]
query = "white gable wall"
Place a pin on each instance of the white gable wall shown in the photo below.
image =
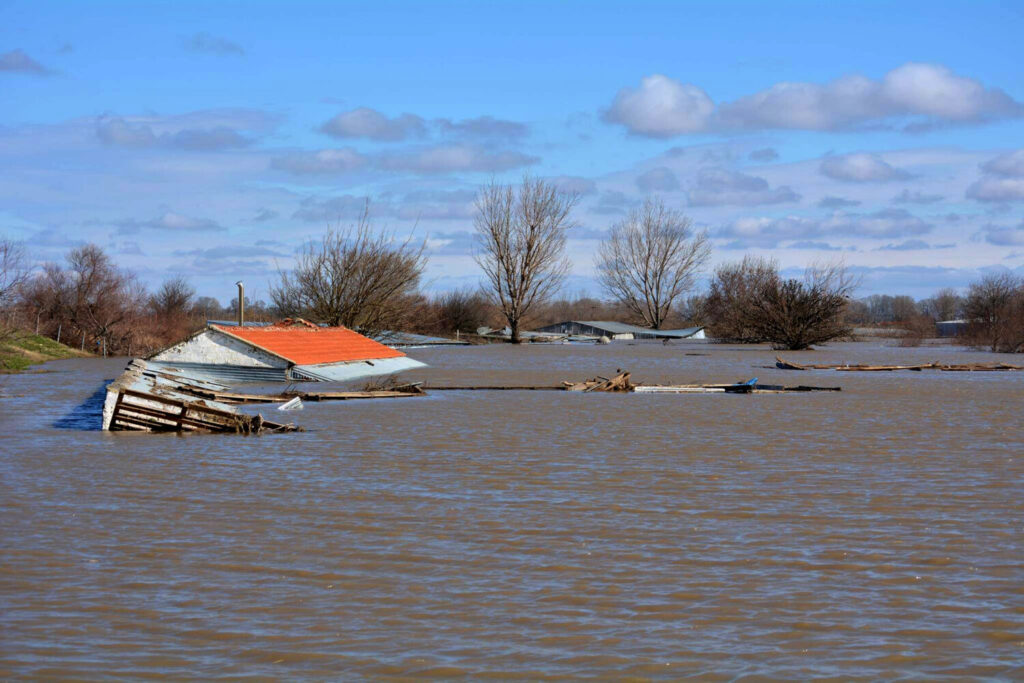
(211, 346)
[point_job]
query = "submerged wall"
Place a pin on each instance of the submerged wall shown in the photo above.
(216, 348)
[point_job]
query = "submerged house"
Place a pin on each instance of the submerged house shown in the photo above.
(289, 350)
(614, 330)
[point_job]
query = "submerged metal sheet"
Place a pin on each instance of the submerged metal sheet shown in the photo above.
(234, 323)
(340, 372)
(400, 340)
(612, 328)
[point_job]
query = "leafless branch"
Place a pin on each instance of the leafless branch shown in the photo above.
(650, 260)
(522, 232)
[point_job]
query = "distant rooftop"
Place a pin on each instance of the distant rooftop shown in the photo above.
(610, 327)
(234, 323)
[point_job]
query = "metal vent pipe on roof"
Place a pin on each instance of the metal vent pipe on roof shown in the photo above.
(241, 303)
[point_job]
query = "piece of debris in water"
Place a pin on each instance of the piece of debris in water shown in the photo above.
(945, 367)
(145, 400)
(293, 404)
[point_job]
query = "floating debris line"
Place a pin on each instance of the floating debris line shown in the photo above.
(621, 383)
(161, 398)
(945, 367)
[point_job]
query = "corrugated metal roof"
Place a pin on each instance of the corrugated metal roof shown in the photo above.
(234, 323)
(231, 374)
(406, 339)
(682, 333)
(341, 372)
(306, 344)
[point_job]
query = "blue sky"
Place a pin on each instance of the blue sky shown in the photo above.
(213, 139)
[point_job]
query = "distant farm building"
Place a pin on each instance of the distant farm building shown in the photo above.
(614, 330)
(290, 350)
(951, 328)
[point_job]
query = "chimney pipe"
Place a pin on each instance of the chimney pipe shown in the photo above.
(241, 303)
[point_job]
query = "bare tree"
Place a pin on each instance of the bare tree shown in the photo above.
(733, 286)
(794, 314)
(173, 299)
(995, 313)
(353, 278)
(650, 259)
(946, 304)
(751, 302)
(462, 311)
(101, 296)
(521, 232)
(14, 274)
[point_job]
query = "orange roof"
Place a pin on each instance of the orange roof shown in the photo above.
(306, 344)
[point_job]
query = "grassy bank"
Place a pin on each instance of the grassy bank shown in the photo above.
(24, 349)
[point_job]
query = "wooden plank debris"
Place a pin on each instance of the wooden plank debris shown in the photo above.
(151, 412)
(621, 383)
(147, 401)
(966, 367)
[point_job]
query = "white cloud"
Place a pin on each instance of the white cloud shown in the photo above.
(115, 131)
(364, 122)
(658, 179)
(934, 90)
(1004, 236)
(568, 183)
(18, 61)
(325, 161)
(765, 155)
(917, 197)
(452, 158)
(316, 210)
(861, 168)
(483, 127)
(913, 245)
(204, 42)
(1002, 179)
(916, 96)
(719, 186)
(769, 232)
(661, 107)
(831, 202)
(1009, 165)
(197, 131)
(172, 222)
(991, 189)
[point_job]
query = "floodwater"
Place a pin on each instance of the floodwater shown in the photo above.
(872, 533)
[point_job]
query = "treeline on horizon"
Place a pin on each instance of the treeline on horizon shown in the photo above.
(367, 280)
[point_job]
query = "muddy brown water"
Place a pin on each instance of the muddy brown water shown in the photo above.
(872, 533)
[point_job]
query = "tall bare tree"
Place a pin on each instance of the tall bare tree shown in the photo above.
(650, 259)
(521, 232)
(13, 275)
(352, 277)
(102, 296)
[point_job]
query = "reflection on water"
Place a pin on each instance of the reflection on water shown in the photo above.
(874, 532)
